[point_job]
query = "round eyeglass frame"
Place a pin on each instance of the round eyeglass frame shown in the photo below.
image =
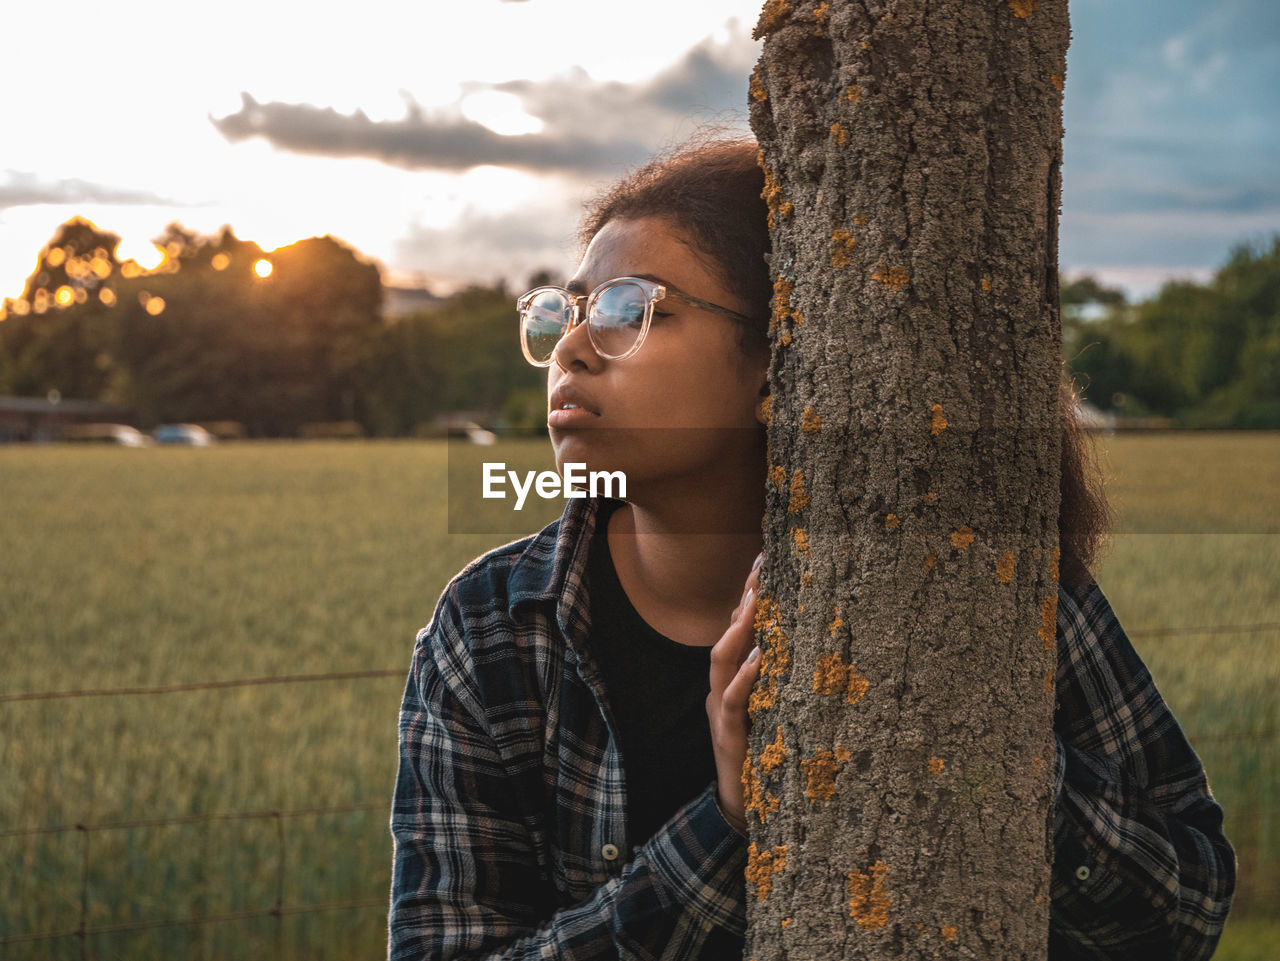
(654, 292)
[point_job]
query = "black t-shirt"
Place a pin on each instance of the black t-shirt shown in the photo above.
(657, 691)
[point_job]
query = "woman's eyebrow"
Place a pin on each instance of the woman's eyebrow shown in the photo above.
(576, 286)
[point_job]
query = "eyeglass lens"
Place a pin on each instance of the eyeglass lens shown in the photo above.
(615, 320)
(546, 317)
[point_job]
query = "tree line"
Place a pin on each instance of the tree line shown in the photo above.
(223, 330)
(1202, 355)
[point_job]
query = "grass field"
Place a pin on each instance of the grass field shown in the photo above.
(144, 568)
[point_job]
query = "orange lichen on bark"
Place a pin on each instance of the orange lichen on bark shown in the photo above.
(839, 134)
(1037, 765)
(810, 422)
(930, 560)
(853, 93)
(937, 420)
(1053, 564)
(786, 923)
(782, 309)
(785, 338)
(753, 792)
(821, 11)
(962, 538)
(778, 477)
(868, 898)
(756, 88)
(831, 675)
(986, 284)
(841, 243)
(1004, 567)
(763, 865)
(929, 497)
(821, 770)
(1048, 621)
(772, 194)
(801, 540)
(773, 755)
(771, 17)
(895, 278)
(890, 522)
(799, 496)
(776, 659)
(1056, 81)
(837, 622)
(1048, 683)
(1023, 8)
(936, 765)
(949, 932)
(860, 221)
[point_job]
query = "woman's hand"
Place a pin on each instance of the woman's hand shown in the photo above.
(735, 664)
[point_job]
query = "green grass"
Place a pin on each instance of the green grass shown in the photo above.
(149, 567)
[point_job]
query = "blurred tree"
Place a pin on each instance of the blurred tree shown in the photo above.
(1087, 290)
(1206, 355)
(59, 334)
(461, 355)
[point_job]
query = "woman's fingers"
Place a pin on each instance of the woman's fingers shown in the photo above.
(738, 692)
(734, 644)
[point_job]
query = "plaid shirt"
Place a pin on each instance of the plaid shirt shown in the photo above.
(509, 817)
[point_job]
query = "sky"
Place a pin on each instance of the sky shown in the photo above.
(454, 142)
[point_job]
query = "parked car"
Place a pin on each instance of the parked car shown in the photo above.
(121, 435)
(192, 435)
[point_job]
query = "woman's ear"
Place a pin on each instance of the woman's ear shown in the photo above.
(764, 407)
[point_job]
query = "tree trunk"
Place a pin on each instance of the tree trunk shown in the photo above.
(901, 731)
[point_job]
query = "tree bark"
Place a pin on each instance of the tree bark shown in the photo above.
(898, 778)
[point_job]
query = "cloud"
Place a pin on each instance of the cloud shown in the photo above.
(590, 127)
(492, 247)
(25, 189)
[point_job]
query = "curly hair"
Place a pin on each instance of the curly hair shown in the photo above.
(712, 190)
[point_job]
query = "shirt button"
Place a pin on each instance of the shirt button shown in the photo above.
(609, 852)
(1083, 872)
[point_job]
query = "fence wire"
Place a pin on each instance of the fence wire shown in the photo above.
(280, 910)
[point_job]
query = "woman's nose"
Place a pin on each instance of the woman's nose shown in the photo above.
(575, 347)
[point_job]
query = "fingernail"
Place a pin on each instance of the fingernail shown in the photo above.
(751, 596)
(754, 655)
(759, 559)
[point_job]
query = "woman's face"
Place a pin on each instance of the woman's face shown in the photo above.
(684, 406)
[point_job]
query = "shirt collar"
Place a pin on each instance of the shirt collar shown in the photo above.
(553, 567)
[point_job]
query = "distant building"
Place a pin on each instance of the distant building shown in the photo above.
(401, 301)
(41, 419)
(1093, 418)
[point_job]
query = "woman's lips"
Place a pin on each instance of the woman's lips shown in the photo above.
(570, 417)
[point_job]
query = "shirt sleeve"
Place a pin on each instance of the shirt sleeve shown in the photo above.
(1141, 866)
(467, 882)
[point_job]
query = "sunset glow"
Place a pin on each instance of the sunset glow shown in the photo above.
(503, 113)
(262, 267)
(146, 255)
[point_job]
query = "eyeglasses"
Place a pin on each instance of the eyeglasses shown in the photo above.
(618, 316)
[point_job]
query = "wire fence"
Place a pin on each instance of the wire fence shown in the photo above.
(279, 910)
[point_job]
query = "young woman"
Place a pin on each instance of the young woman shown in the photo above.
(574, 725)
